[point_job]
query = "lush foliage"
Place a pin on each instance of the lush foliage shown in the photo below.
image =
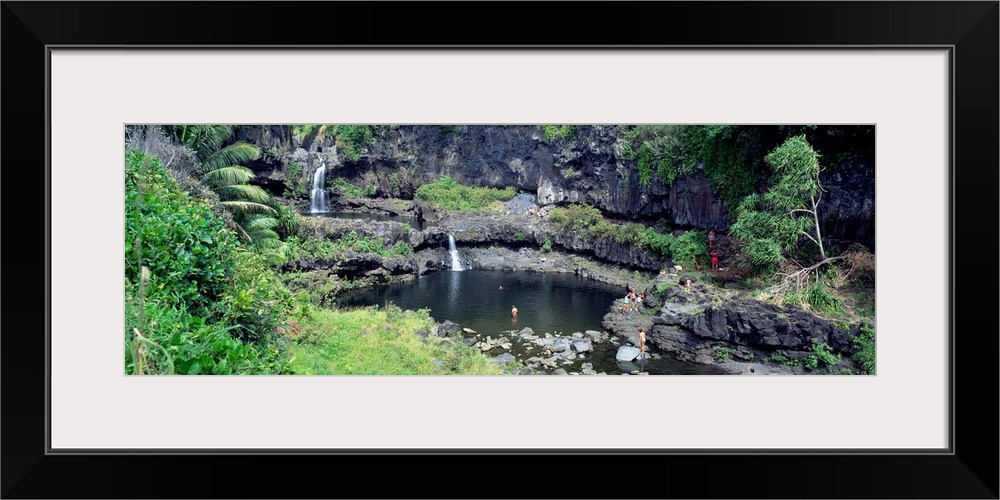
(864, 345)
(297, 185)
(450, 195)
(201, 289)
(722, 353)
(689, 249)
(338, 249)
(381, 341)
(342, 187)
(352, 139)
(771, 225)
(822, 354)
(664, 150)
(558, 131)
(253, 217)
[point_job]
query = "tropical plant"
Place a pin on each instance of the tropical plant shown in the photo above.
(252, 219)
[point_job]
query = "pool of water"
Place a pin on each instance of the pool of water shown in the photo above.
(415, 223)
(556, 303)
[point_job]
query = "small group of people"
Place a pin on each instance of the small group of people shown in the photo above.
(632, 301)
(712, 251)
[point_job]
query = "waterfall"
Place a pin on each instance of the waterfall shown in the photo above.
(456, 264)
(319, 200)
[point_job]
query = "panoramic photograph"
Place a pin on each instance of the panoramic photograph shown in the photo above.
(326, 249)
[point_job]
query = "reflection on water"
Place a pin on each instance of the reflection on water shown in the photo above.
(556, 303)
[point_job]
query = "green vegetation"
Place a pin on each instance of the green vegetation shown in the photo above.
(864, 345)
(822, 353)
(447, 129)
(783, 360)
(547, 245)
(373, 341)
(297, 186)
(771, 225)
(450, 195)
(661, 288)
(196, 300)
(519, 236)
(338, 249)
(722, 353)
(688, 250)
(252, 217)
(558, 131)
(342, 188)
(352, 139)
(569, 173)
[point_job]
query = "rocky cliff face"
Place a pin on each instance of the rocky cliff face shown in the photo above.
(588, 167)
(695, 324)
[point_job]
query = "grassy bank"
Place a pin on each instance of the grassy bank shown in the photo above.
(450, 195)
(380, 341)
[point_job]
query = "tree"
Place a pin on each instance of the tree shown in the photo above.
(772, 224)
(253, 220)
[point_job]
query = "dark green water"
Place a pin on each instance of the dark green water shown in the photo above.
(556, 303)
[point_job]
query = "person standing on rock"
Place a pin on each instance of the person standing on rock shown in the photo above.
(642, 344)
(715, 260)
(711, 239)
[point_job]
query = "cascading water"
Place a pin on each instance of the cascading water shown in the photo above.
(319, 199)
(456, 263)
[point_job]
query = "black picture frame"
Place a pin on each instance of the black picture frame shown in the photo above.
(970, 470)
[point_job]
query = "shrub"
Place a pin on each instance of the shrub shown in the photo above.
(547, 246)
(352, 139)
(558, 131)
(864, 345)
(820, 298)
(822, 353)
(722, 352)
(450, 195)
(191, 284)
(341, 187)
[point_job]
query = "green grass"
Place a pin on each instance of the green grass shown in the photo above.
(450, 195)
(380, 341)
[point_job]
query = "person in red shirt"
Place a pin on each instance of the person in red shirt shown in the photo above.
(715, 260)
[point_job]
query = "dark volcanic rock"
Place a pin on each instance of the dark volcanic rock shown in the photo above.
(692, 324)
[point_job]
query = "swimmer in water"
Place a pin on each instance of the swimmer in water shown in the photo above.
(513, 312)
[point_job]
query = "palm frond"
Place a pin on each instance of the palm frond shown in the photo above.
(232, 154)
(207, 139)
(244, 208)
(244, 192)
(261, 222)
(263, 238)
(227, 176)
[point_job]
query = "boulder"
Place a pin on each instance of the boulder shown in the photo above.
(582, 346)
(505, 358)
(626, 353)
